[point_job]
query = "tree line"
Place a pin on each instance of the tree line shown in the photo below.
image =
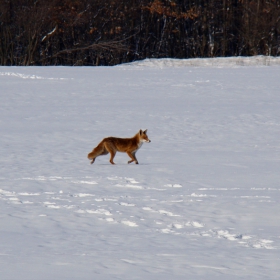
(110, 32)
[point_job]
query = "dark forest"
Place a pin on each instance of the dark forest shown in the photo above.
(107, 32)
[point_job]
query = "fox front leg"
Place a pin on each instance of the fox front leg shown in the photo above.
(133, 157)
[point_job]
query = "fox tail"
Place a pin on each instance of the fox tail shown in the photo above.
(100, 150)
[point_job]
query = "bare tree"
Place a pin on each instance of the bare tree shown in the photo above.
(98, 32)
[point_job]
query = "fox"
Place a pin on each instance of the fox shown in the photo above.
(113, 145)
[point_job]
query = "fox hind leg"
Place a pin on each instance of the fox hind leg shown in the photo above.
(112, 157)
(112, 152)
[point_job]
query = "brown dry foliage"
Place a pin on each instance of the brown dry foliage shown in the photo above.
(170, 10)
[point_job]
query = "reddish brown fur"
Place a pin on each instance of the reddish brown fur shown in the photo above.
(126, 145)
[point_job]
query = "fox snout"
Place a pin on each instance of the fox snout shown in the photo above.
(144, 136)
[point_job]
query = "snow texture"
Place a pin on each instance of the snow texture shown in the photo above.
(203, 203)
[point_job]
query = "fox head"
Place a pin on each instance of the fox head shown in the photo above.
(143, 136)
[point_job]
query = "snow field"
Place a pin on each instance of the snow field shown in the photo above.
(153, 216)
(201, 204)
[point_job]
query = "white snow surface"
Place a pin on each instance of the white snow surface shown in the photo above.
(238, 61)
(203, 203)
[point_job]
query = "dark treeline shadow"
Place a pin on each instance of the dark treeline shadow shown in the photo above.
(107, 32)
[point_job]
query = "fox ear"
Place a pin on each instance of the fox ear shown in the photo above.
(145, 131)
(140, 131)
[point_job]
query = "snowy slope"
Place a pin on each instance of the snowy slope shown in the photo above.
(238, 61)
(203, 203)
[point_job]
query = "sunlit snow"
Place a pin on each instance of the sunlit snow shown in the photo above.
(204, 201)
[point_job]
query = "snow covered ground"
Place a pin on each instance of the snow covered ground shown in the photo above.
(203, 203)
